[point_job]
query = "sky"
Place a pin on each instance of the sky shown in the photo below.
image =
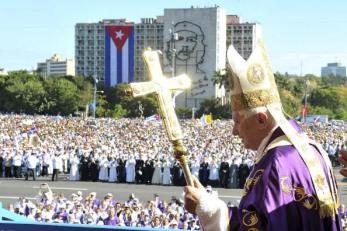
(300, 36)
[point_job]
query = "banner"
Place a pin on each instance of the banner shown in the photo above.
(154, 117)
(206, 119)
(119, 55)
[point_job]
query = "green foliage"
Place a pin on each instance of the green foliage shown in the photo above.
(62, 96)
(184, 112)
(291, 104)
(119, 95)
(332, 99)
(222, 77)
(22, 92)
(334, 81)
(213, 106)
(117, 112)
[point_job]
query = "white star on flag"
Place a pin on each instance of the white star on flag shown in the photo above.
(119, 34)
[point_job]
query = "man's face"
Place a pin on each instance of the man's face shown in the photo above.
(186, 43)
(247, 130)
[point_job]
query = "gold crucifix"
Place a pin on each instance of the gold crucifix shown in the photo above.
(162, 87)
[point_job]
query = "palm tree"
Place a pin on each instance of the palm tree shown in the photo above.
(221, 78)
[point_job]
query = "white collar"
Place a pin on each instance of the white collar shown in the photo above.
(265, 141)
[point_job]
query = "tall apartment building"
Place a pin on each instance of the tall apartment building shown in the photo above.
(90, 47)
(148, 33)
(335, 69)
(56, 66)
(208, 31)
(243, 36)
(196, 46)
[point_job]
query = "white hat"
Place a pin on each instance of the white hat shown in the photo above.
(252, 82)
(109, 195)
(93, 193)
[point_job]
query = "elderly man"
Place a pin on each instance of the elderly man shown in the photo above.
(291, 186)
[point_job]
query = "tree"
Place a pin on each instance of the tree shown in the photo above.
(331, 98)
(24, 93)
(213, 106)
(183, 112)
(117, 112)
(62, 96)
(119, 94)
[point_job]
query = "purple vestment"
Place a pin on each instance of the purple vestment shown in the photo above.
(279, 194)
(112, 221)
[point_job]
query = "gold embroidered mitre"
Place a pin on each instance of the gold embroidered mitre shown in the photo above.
(252, 82)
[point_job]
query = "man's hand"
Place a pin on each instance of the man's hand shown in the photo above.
(343, 161)
(193, 195)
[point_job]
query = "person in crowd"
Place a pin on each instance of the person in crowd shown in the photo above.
(113, 164)
(31, 166)
(17, 165)
(74, 174)
(57, 163)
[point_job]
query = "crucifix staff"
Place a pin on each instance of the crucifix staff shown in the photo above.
(162, 87)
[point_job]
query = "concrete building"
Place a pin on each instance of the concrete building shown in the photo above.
(56, 66)
(90, 47)
(192, 40)
(243, 36)
(148, 33)
(335, 69)
(196, 46)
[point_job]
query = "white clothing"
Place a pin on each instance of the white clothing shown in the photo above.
(214, 173)
(213, 213)
(157, 177)
(74, 169)
(57, 163)
(130, 170)
(166, 173)
(195, 167)
(103, 172)
(32, 162)
(113, 171)
(17, 160)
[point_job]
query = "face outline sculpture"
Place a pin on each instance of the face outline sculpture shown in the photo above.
(186, 44)
(189, 44)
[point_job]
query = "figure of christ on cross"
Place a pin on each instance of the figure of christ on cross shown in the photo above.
(162, 87)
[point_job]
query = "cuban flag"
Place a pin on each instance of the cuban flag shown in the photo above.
(119, 55)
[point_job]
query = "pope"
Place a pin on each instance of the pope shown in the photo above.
(291, 186)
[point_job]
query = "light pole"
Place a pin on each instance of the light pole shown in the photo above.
(305, 100)
(140, 109)
(173, 38)
(94, 97)
(193, 112)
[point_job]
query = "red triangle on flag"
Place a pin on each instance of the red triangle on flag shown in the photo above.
(119, 34)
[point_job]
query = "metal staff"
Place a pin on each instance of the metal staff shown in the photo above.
(162, 87)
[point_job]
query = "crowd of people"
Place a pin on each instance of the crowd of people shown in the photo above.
(89, 209)
(131, 150)
(126, 151)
